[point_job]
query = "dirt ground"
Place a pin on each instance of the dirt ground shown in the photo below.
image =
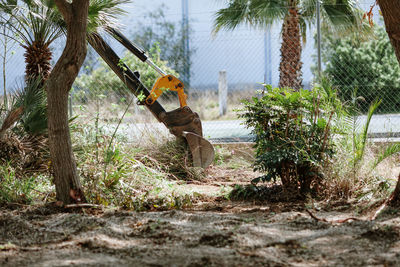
(215, 232)
(211, 234)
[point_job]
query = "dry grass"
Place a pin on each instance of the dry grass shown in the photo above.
(344, 180)
(27, 155)
(205, 103)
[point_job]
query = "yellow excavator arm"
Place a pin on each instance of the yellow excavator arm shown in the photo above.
(182, 122)
(167, 83)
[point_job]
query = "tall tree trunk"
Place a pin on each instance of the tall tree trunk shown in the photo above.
(290, 64)
(59, 83)
(391, 15)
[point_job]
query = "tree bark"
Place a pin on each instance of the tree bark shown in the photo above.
(290, 64)
(394, 199)
(391, 15)
(58, 85)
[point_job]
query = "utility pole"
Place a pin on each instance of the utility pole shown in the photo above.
(319, 39)
(267, 56)
(185, 41)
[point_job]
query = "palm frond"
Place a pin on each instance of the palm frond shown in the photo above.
(257, 13)
(360, 147)
(104, 13)
(386, 153)
(32, 99)
(344, 17)
(12, 117)
(31, 21)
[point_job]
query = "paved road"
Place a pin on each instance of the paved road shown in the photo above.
(380, 126)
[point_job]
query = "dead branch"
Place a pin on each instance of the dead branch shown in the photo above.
(81, 205)
(334, 221)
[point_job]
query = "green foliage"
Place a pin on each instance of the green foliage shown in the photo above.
(27, 114)
(104, 81)
(387, 152)
(368, 65)
(361, 143)
(22, 190)
(353, 170)
(340, 16)
(170, 37)
(125, 176)
(33, 101)
(293, 133)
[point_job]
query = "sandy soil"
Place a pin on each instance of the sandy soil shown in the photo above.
(213, 234)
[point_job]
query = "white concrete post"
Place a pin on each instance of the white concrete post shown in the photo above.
(222, 93)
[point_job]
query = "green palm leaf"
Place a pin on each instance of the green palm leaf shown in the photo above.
(386, 153)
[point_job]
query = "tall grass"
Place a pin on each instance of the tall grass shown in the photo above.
(354, 171)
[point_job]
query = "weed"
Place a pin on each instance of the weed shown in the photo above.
(22, 190)
(139, 177)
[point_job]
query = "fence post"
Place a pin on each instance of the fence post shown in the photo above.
(222, 92)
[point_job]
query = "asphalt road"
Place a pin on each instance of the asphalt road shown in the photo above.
(381, 126)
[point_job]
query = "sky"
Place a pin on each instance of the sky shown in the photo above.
(249, 56)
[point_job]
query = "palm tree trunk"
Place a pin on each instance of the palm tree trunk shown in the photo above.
(290, 65)
(68, 187)
(37, 58)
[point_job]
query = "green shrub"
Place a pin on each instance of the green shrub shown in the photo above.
(367, 65)
(293, 134)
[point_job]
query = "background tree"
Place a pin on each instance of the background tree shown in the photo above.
(379, 76)
(170, 37)
(58, 85)
(295, 15)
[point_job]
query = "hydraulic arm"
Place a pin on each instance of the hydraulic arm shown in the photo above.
(165, 82)
(182, 122)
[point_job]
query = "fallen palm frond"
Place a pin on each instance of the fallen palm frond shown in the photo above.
(386, 153)
(28, 154)
(11, 118)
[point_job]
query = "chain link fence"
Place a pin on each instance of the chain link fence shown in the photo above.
(363, 68)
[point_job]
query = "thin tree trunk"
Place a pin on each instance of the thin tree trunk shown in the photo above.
(391, 15)
(394, 199)
(290, 64)
(68, 187)
(4, 61)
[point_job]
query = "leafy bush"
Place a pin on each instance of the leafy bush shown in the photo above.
(367, 65)
(293, 134)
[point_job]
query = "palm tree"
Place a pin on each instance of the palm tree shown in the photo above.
(295, 16)
(34, 28)
(36, 25)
